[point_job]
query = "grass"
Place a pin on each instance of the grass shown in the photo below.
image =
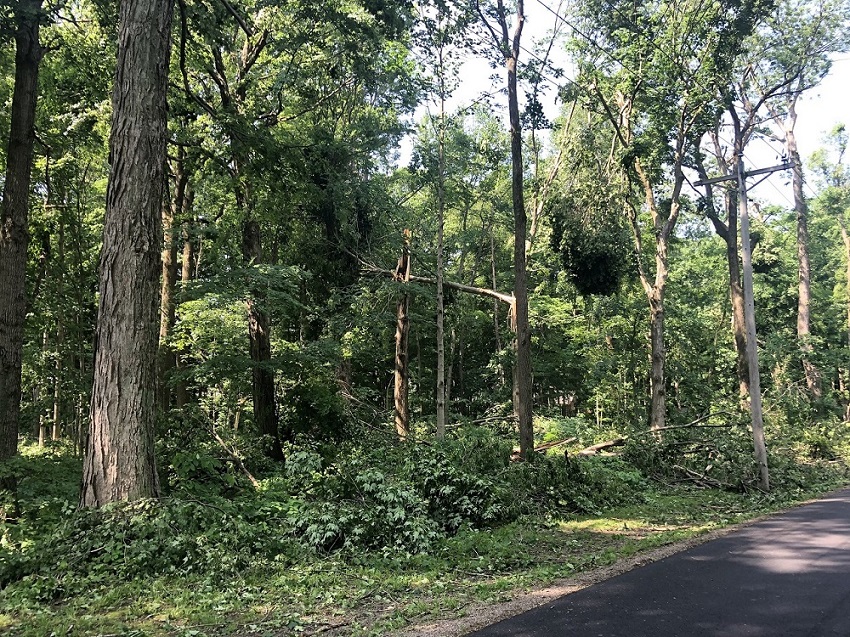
(370, 594)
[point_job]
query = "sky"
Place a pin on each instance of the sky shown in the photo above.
(818, 111)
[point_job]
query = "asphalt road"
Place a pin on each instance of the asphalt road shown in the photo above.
(787, 575)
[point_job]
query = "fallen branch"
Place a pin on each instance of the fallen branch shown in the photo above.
(515, 454)
(236, 459)
(471, 289)
(696, 424)
(701, 479)
(594, 449)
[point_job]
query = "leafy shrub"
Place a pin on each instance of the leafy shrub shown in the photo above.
(96, 547)
(370, 510)
(455, 498)
(551, 485)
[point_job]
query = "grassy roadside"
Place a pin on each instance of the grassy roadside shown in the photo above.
(369, 594)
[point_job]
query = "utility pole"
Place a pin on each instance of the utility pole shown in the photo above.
(740, 176)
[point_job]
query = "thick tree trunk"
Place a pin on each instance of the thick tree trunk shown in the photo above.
(813, 381)
(729, 234)
(120, 462)
(402, 334)
(736, 295)
(14, 213)
(259, 336)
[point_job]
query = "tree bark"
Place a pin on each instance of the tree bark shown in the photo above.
(14, 214)
(402, 333)
(804, 269)
(259, 336)
(729, 233)
(170, 213)
(441, 208)
(658, 355)
(736, 295)
(845, 238)
(181, 397)
(522, 379)
(120, 462)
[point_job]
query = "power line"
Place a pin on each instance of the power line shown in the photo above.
(585, 36)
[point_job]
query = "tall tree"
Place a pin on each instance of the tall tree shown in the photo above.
(654, 71)
(442, 26)
(791, 50)
(119, 462)
(14, 214)
(830, 163)
(495, 19)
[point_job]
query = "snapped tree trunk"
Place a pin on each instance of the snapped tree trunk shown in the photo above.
(14, 219)
(402, 333)
(522, 380)
(119, 462)
(509, 47)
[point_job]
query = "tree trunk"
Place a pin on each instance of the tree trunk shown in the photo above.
(259, 336)
(120, 462)
(182, 390)
(56, 431)
(658, 355)
(14, 213)
(402, 333)
(750, 320)
(496, 332)
(522, 379)
(813, 381)
(170, 213)
(736, 295)
(845, 237)
(441, 207)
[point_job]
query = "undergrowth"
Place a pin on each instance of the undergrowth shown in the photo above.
(367, 504)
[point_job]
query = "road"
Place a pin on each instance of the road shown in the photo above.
(786, 575)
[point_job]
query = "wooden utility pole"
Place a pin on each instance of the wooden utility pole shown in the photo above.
(756, 414)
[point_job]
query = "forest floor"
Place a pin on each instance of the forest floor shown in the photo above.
(469, 580)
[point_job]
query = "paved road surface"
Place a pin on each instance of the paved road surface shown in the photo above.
(788, 575)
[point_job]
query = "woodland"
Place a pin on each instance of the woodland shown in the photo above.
(295, 341)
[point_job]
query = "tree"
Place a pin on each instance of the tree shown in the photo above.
(657, 84)
(495, 20)
(787, 56)
(120, 462)
(14, 215)
(290, 122)
(830, 165)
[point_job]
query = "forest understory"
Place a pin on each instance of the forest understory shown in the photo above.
(387, 537)
(298, 336)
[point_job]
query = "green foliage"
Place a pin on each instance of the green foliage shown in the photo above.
(94, 548)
